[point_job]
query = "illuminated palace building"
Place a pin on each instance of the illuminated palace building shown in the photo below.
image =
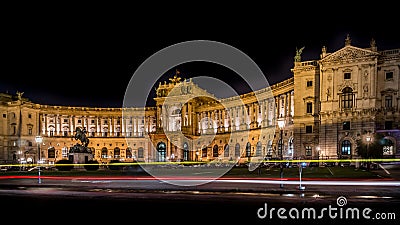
(327, 108)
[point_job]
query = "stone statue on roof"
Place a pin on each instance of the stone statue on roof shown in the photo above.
(297, 57)
(19, 95)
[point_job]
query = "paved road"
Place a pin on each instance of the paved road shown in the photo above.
(153, 200)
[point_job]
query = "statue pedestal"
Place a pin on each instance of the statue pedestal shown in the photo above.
(79, 154)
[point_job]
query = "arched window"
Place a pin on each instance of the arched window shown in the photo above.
(280, 147)
(237, 150)
(248, 149)
(269, 148)
(117, 152)
(185, 151)
(347, 98)
(65, 131)
(64, 152)
(226, 151)
(104, 153)
(161, 150)
(215, 151)
(51, 152)
(290, 146)
(259, 149)
(346, 147)
(105, 132)
(204, 152)
(128, 153)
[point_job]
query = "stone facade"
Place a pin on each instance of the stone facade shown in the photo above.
(326, 106)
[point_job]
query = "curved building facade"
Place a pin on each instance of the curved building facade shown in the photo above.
(325, 110)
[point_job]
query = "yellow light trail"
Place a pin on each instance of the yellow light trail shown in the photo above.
(204, 162)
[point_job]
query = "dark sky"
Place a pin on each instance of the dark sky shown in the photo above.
(62, 61)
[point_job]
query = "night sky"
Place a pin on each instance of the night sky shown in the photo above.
(89, 63)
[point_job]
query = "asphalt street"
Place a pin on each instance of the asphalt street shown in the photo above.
(153, 200)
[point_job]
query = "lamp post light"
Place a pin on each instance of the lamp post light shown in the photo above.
(281, 125)
(368, 139)
(39, 140)
(319, 153)
(300, 172)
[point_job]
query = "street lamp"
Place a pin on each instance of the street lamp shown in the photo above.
(39, 140)
(368, 139)
(319, 153)
(281, 125)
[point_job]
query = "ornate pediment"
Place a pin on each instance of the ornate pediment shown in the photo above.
(347, 83)
(349, 53)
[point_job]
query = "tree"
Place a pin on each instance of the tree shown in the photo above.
(372, 149)
(92, 165)
(64, 165)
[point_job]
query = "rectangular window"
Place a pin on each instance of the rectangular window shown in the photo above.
(140, 153)
(309, 83)
(388, 125)
(309, 107)
(79, 121)
(29, 116)
(92, 121)
(347, 76)
(4, 116)
(388, 101)
(65, 120)
(308, 129)
(346, 125)
(389, 75)
(308, 151)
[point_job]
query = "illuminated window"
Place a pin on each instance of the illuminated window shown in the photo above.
(64, 152)
(185, 151)
(346, 147)
(104, 153)
(237, 150)
(269, 148)
(259, 149)
(161, 150)
(290, 145)
(388, 147)
(128, 153)
(308, 151)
